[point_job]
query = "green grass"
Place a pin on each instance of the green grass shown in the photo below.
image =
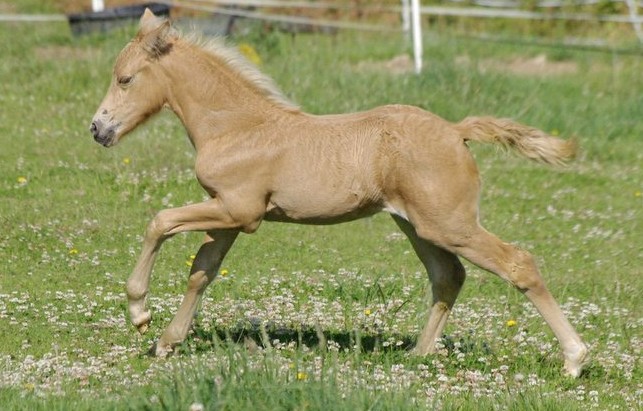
(73, 214)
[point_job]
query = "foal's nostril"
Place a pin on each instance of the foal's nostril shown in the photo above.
(94, 128)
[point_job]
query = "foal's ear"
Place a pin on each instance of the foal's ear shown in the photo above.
(153, 33)
(149, 22)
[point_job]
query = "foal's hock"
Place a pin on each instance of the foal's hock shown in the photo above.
(259, 157)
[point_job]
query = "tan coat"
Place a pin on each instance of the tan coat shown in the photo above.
(260, 157)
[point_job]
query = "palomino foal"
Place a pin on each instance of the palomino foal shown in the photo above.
(260, 158)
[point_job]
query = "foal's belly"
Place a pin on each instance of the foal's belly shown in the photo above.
(312, 208)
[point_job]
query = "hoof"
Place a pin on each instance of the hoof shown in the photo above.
(422, 353)
(161, 350)
(424, 349)
(575, 362)
(418, 352)
(142, 328)
(142, 322)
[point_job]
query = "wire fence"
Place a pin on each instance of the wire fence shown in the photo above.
(325, 13)
(623, 11)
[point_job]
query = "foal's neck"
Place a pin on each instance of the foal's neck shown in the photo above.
(211, 97)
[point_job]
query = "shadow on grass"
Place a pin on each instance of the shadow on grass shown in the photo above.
(255, 334)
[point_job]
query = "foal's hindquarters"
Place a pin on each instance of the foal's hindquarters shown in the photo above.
(439, 215)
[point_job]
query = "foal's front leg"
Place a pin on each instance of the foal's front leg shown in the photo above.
(204, 269)
(207, 216)
(138, 283)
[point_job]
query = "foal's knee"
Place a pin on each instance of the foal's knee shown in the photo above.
(159, 226)
(523, 272)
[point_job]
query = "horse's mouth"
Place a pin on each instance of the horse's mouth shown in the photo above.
(105, 141)
(104, 137)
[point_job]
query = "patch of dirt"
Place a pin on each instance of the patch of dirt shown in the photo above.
(401, 64)
(539, 65)
(6, 7)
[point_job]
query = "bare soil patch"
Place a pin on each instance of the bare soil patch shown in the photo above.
(539, 65)
(6, 7)
(400, 64)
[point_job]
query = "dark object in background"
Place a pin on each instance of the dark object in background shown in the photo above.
(102, 21)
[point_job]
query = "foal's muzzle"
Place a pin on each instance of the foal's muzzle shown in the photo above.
(102, 135)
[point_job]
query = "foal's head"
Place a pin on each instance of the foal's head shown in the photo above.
(137, 90)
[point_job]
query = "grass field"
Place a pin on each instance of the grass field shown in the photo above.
(73, 214)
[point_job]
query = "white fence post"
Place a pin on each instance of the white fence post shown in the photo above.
(98, 5)
(417, 35)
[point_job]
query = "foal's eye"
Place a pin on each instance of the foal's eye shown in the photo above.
(125, 80)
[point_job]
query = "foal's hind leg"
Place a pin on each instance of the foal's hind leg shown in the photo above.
(519, 268)
(204, 269)
(446, 274)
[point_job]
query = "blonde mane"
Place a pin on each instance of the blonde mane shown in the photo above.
(233, 58)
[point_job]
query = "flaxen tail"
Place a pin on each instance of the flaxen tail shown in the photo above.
(532, 143)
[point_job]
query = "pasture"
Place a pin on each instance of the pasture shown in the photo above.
(316, 317)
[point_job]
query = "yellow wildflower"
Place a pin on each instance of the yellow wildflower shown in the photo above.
(250, 53)
(367, 311)
(302, 376)
(511, 323)
(73, 251)
(22, 180)
(638, 194)
(126, 160)
(190, 260)
(223, 272)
